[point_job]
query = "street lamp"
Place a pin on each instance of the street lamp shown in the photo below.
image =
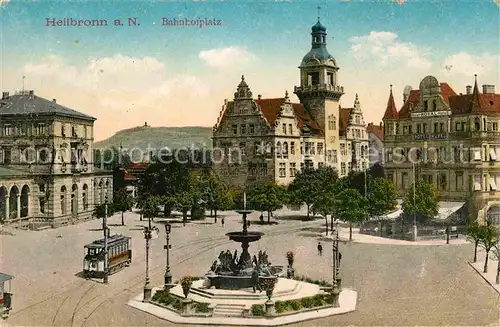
(168, 275)
(337, 238)
(106, 235)
(147, 285)
(335, 288)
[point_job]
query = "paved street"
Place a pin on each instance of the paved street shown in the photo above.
(396, 284)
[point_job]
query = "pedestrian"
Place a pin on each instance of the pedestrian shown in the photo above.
(340, 257)
(320, 249)
(222, 222)
(255, 279)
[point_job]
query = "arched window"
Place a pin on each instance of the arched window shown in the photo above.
(85, 198)
(285, 150)
(74, 199)
(63, 201)
(25, 203)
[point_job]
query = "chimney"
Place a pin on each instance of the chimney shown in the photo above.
(259, 97)
(468, 89)
(54, 100)
(5, 95)
(488, 89)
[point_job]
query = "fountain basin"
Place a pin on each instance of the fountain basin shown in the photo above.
(236, 282)
(245, 237)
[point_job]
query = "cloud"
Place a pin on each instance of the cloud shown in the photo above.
(385, 49)
(226, 57)
(463, 63)
(124, 91)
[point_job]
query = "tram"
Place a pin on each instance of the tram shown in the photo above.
(5, 295)
(119, 256)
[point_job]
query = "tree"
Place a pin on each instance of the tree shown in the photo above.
(149, 206)
(325, 205)
(474, 234)
(382, 197)
(267, 196)
(122, 201)
(489, 239)
(111, 158)
(100, 210)
(214, 192)
(309, 183)
(496, 252)
(351, 206)
(425, 202)
(359, 180)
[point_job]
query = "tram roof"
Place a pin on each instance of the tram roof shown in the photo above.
(5, 277)
(112, 239)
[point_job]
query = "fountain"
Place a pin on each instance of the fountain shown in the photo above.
(231, 272)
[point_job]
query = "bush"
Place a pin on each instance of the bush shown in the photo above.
(177, 304)
(307, 302)
(318, 300)
(163, 297)
(281, 306)
(201, 307)
(258, 310)
(329, 298)
(295, 305)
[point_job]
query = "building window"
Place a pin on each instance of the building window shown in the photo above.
(436, 127)
(342, 150)
(73, 131)
(320, 148)
(23, 129)
(284, 129)
(243, 146)
(302, 165)
(477, 124)
(7, 130)
(357, 120)
(235, 129)
(292, 148)
(293, 169)
(404, 180)
(349, 167)
(252, 128)
(282, 170)
(409, 129)
(419, 128)
(301, 147)
(243, 129)
(278, 150)
(426, 105)
(290, 129)
(334, 156)
(332, 121)
(342, 168)
(320, 164)
(313, 78)
(285, 150)
(312, 148)
(63, 130)
(459, 181)
(257, 148)
(457, 127)
(442, 182)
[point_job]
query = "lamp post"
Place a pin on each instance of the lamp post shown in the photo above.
(335, 288)
(339, 278)
(106, 235)
(147, 285)
(414, 205)
(168, 275)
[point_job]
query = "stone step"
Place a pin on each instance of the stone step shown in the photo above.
(233, 310)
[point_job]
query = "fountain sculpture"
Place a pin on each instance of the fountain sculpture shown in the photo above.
(231, 272)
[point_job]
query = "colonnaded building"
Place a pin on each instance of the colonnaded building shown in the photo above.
(451, 140)
(47, 177)
(273, 138)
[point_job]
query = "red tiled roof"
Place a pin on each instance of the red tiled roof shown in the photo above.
(391, 112)
(270, 109)
(378, 130)
(344, 114)
(412, 101)
(446, 92)
(488, 104)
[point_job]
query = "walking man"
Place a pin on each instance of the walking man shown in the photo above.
(320, 249)
(255, 279)
(222, 222)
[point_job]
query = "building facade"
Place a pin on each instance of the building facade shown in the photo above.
(376, 143)
(451, 140)
(273, 138)
(47, 176)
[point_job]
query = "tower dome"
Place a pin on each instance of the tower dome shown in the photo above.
(318, 53)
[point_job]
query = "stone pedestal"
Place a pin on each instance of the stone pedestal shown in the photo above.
(186, 307)
(147, 294)
(270, 309)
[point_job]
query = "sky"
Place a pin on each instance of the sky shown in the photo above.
(180, 75)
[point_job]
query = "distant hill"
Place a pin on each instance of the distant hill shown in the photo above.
(159, 137)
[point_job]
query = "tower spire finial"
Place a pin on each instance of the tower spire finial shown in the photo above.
(319, 11)
(391, 87)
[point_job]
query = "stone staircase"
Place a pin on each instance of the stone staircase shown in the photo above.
(229, 310)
